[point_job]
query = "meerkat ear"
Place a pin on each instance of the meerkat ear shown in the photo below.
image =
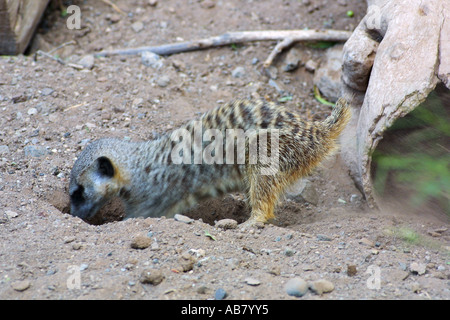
(105, 167)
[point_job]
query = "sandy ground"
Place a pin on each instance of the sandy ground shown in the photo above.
(50, 111)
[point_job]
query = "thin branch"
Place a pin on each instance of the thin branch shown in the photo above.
(235, 37)
(283, 44)
(114, 6)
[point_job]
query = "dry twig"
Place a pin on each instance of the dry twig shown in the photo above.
(287, 37)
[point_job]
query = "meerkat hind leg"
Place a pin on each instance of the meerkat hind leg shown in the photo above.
(264, 192)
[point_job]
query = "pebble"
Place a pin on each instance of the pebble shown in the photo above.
(141, 242)
(184, 219)
(32, 111)
(292, 60)
(238, 72)
(252, 282)
(21, 285)
(163, 81)
(226, 224)
(151, 276)
(138, 26)
(87, 61)
(321, 286)
(296, 287)
(4, 149)
(418, 268)
(322, 237)
(11, 214)
(35, 151)
(351, 270)
(47, 91)
(220, 294)
(150, 59)
(303, 190)
(288, 252)
(311, 65)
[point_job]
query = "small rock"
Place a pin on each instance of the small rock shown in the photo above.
(87, 61)
(187, 262)
(288, 252)
(184, 219)
(35, 151)
(351, 270)
(151, 276)
(322, 237)
(367, 242)
(32, 111)
(220, 294)
(141, 242)
(321, 286)
(84, 266)
(47, 91)
(418, 268)
(252, 282)
(292, 60)
(311, 65)
(296, 287)
(152, 3)
(21, 285)
(238, 72)
(226, 224)
(207, 4)
(152, 60)
(328, 77)
(11, 214)
(138, 26)
(303, 190)
(163, 81)
(4, 149)
(275, 270)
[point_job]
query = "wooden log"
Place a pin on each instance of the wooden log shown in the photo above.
(18, 21)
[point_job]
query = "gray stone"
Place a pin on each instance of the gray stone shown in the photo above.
(184, 219)
(328, 77)
(296, 287)
(220, 294)
(21, 285)
(87, 61)
(238, 72)
(292, 60)
(150, 59)
(418, 268)
(138, 26)
(47, 91)
(163, 81)
(311, 65)
(35, 151)
(4, 149)
(303, 190)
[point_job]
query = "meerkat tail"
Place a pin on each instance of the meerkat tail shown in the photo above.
(338, 119)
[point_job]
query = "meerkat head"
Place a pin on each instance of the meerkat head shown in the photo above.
(92, 183)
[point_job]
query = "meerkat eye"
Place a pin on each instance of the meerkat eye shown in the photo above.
(78, 195)
(105, 167)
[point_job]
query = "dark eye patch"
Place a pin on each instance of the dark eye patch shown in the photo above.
(105, 167)
(77, 197)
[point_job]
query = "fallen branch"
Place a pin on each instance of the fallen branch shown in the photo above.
(238, 37)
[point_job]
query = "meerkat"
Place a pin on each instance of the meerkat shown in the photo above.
(152, 182)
